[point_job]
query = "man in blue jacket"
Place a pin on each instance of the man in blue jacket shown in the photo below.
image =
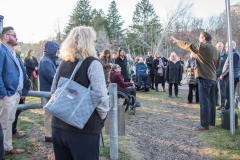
(142, 74)
(46, 71)
(13, 85)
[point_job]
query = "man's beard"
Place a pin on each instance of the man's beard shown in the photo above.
(12, 43)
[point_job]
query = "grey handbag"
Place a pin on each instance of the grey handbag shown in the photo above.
(72, 102)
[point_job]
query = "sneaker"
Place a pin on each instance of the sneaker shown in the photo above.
(169, 96)
(200, 128)
(189, 102)
(19, 135)
(137, 104)
(176, 96)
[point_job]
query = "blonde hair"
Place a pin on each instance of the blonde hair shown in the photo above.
(174, 54)
(79, 44)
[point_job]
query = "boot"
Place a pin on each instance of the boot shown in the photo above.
(156, 88)
(163, 89)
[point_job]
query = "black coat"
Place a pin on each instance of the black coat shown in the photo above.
(30, 65)
(123, 65)
(158, 78)
(173, 72)
(149, 62)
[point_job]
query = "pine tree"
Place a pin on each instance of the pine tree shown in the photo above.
(98, 20)
(114, 24)
(81, 15)
(146, 25)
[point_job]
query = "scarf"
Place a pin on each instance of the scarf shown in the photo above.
(160, 69)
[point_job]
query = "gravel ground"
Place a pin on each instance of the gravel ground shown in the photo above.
(163, 129)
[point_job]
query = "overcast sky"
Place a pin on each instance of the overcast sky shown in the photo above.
(34, 20)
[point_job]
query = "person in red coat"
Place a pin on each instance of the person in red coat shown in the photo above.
(126, 87)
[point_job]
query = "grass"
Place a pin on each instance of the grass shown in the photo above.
(219, 143)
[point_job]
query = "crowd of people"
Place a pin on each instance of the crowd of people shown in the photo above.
(207, 75)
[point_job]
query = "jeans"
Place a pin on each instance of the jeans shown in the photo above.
(221, 91)
(141, 78)
(207, 101)
(236, 80)
(69, 145)
(1, 144)
(175, 88)
(190, 92)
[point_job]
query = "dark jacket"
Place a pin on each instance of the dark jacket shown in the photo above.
(207, 58)
(173, 72)
(47, 66)
(222, 61)
(30, 65)
(95, 124)
(158, 78)
(116, 77)
(9, 74)
(190, 71)
(149, 62)
(123, 65)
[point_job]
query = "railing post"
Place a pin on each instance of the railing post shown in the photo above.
(113, 122)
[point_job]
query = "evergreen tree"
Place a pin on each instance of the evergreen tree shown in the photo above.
(114, 24)
(146, 26)
(98, 20)
(81, 15)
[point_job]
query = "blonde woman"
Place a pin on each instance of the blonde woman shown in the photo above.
(69, 142)
(173, 74)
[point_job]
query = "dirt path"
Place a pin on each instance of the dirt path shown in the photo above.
(162, 128)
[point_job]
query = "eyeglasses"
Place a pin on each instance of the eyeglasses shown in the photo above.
(14, 35)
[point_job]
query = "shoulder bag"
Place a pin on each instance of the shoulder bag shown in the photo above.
(72, 102)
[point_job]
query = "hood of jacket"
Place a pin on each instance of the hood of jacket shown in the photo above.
(50, 49)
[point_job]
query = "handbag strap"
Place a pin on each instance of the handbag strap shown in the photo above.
(76, 68)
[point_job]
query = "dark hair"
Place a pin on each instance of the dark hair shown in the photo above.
(105, 52)
(207, 36)
(118, 53)
(6, 29)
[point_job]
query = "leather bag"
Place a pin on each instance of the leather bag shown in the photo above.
(72, 102)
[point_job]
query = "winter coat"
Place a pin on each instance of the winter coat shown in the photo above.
(47, 66)
(116, 77)
(123, 65)
(106, 68)
(141, 68)
(30, 65)
(173, 72)
(158, 78)
(149, 62)
(207, 58)
(190, 71)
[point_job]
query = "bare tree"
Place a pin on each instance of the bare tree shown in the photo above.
(172, 17)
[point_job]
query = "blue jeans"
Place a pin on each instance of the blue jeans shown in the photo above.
(141, 78)
(221, 91)
(207, 99)
(1, 144)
